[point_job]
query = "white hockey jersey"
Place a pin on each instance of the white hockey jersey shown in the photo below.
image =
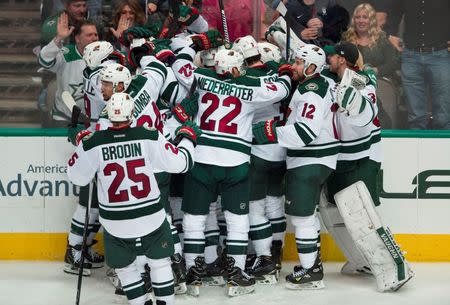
(225, 115)
(124, 160)
(68, 65)
(361, 135)
(310, 133)
(270, 152)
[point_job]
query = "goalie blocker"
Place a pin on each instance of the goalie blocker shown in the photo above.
(372, 239)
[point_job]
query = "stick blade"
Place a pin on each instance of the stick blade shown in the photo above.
(68, 100)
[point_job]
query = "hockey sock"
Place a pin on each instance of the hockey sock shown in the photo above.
(277, 217)
(175, 238)
(260, 228)
(237, 237)
(211, 235)
(194, 237)
(177, 216)
(162, 280)
(132, 284)
(306, 239)
(77, 226)
(94, 222)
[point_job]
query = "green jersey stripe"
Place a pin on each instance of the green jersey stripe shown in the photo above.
(130, 214)
(313, 153)
(224, 144)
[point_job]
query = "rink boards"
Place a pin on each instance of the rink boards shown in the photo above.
(37, 201)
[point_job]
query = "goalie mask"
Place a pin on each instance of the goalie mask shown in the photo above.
(96, 52)
(120, 107)
(115, 74)
(312, 55)
(247, 46)
(226, 60)
(269, 52)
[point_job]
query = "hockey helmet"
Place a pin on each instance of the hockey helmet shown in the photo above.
(269, 52)
(115, 74)
(120, 107)
(95, 52)
(226, 60)
(247, 46)
(312, 55)
(207, 56)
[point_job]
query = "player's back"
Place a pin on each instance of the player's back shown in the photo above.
(226, 108)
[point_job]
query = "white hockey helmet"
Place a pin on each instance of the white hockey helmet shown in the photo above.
(207, 56)
(312, 55)
(95, 52)
(269, 52)
(115, 74)
(247, 45)
(226, 60)
(120, 107)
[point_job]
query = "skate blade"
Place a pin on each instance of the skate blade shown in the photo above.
(214, 281)
(74, 270)
(234, 291)
(268, 279)
(307, 286)
(180, 288)
(193, 290)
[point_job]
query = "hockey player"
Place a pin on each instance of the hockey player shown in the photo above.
(267, 169)
(145, 91)
(226, 105)
(360, 160)
(135, 227)
(312, 148)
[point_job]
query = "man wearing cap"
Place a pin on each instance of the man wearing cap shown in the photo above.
(357, 125)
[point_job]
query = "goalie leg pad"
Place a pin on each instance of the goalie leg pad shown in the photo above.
(335, 225)
(375, 241)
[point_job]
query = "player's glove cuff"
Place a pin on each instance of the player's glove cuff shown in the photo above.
(188, 130)
(265, 132)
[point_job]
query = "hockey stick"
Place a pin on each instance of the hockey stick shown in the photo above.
(70, 103)
(282, 9)
(83, 245)
(224, 25)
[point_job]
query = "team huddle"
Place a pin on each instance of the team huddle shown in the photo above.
(197, 152)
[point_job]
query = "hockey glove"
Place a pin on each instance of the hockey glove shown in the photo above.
(350, 100)
(72, 132)
(207, 40)
(188, 130)
(285, 69)
(81, 135)
(265, 132)
(188, 14)
(164, 54)
(272, 29)
(187, 108)
(132, 33)
(135, 55)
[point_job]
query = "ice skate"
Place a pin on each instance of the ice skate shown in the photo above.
(277, 253)
(194, 277)
(73, 261)
(215, 273)
(238, 282)
(303, 278)
(352, 269)
(264, 271)
(179, 273)
(96, 259)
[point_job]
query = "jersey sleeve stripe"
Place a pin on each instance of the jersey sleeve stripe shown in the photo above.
(306, 138)
(46, 64)
(189, 161)
(185, 57)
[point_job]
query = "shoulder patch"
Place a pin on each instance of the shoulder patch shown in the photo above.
(87, 137)
(312, 86)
